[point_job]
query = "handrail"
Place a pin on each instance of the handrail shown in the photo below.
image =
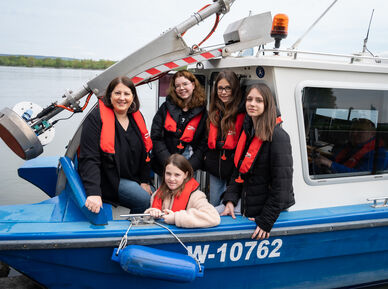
(294, 54)
(375, 204)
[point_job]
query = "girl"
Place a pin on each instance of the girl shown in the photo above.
(180, 123)
(113, 162)
(179, 198)
(226, 116)
(263, 160)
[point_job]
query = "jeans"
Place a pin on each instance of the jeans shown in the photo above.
(133, 196)
(216, 188)
(188, 152)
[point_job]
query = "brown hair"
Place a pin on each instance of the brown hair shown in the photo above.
(228, 110)
(267, 120)
(198, 98)
(184, 165)
(128, 83)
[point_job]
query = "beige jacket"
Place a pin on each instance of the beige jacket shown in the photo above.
(199, 212)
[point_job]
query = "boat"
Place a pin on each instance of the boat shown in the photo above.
(334, 236)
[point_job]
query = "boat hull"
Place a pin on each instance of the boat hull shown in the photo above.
(328, 259)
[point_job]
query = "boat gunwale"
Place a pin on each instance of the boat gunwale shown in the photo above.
(67, 243)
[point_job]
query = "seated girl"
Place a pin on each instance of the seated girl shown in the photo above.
(179, 198)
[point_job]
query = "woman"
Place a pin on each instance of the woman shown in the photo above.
(113, 162)
(226, 116)
(179, 198)
(180, 123)
(263, 160)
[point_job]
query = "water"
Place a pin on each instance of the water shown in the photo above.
(44, 86)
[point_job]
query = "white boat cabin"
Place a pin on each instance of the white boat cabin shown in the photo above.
(320, 102)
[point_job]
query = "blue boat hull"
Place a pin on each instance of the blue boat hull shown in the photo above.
(60, 244)
(312, 260)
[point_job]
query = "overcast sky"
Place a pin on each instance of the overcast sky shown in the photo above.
(101, 29)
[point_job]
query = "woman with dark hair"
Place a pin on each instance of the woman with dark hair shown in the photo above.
(226, 116)
(113, 161)
(179, 125)
(180, 200)
(262, 178)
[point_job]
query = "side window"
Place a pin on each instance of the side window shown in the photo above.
(346, 131)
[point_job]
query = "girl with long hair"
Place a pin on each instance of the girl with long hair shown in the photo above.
(262, 178)
(226, 116)
(179, 198)
(179, 125)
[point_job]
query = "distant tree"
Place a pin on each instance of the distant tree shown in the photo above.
(12, 60)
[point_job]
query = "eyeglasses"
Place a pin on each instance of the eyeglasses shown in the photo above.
(226, 88)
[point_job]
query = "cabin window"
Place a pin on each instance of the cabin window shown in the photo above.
(346, 131)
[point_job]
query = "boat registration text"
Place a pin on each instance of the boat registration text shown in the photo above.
(237, 251)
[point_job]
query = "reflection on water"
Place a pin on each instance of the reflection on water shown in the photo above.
(44, 86)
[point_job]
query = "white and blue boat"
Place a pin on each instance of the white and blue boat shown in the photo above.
(334, 236)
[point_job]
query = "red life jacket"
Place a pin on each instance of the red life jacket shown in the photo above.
(231, 139)
(355, 159)
(250, 155)
(107, 139)
(190, 129)
(179, 203)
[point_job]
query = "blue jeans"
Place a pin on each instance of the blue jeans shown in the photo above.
(216, 188)
(188, 152)
(132, 196)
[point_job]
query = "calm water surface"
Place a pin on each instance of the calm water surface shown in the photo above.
(44, 86)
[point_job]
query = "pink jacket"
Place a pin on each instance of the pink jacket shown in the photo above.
(199, 212)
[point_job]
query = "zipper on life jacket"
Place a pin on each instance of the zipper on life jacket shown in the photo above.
(223, 157)
(219, 166)
(243, 209)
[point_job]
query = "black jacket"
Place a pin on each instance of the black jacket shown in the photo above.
(165, 142)
(100, 171)
(213, 163)
(267, 189)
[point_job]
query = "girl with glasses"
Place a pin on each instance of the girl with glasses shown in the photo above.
(226, 115)
(179, 126)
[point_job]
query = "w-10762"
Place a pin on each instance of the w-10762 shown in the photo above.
(233, 252)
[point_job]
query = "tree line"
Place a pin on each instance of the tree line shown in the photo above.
(30, 61)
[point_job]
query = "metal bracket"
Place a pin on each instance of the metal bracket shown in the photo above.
(376, 204)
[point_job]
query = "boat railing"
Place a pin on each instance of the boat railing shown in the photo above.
(350, 57)
(378, 202)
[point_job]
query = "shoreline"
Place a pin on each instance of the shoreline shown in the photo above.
(53, 62)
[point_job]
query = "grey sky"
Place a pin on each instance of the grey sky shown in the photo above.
(99, 29)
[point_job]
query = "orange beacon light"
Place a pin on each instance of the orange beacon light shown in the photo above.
(279, 28)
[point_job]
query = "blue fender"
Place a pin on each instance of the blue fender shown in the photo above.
(158, 264)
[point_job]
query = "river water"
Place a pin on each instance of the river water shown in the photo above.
(43, 86)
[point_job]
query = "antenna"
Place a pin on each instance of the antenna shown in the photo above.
(312, 26)
(364, 48)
